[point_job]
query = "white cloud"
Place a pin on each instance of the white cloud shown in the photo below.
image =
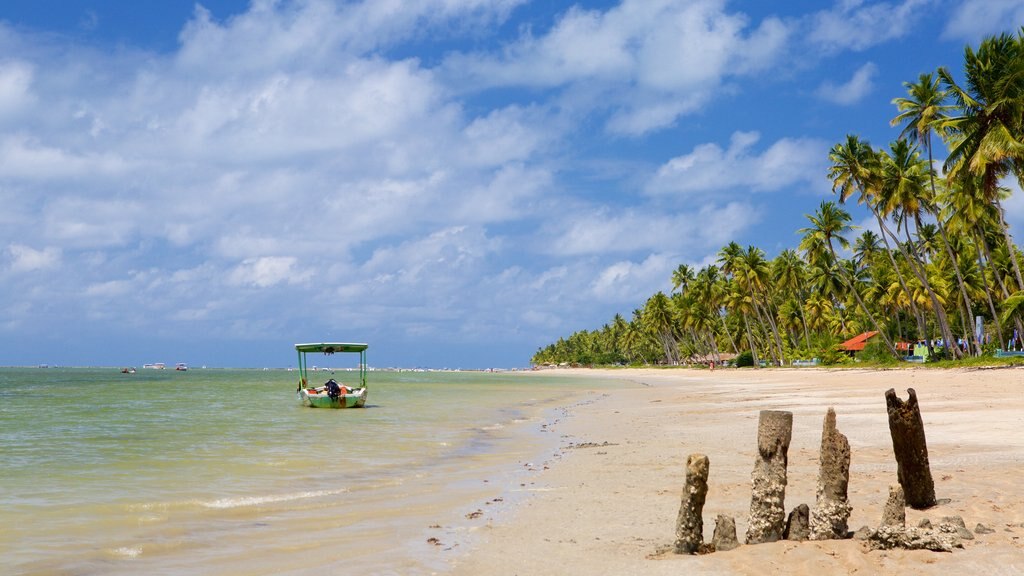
(856, 25)
(786, 163)
(26, 259)
(268, 271)
(274, 35)
(650, 61)
(633, 230)
(24, 158)
(628, 281)
(15, 87)
(974, 19)
(852, 91)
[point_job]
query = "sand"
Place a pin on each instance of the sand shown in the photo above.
(606, 501)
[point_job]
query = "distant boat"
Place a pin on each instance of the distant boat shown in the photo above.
(181, 367)
(130, 370)
(155, 366)
(332, 394)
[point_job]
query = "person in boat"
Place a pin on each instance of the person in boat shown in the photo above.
(333, 389)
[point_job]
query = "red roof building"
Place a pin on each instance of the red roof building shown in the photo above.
(857, 343)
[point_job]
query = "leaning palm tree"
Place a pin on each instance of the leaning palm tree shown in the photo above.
(855, 169)
(902, 193)
(987, 136)
(921, 112)
(829, 224)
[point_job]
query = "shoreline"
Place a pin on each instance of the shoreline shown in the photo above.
(607, 502)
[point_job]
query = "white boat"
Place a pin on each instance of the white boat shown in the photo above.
(331, 394)
(155, 366)
(181, 367)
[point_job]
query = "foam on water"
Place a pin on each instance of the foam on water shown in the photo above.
(241, 501)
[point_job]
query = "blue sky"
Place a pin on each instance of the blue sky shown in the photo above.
(456, 182)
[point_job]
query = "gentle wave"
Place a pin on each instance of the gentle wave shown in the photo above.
(242, 501)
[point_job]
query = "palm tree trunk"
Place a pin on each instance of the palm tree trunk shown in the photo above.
(999, 280)
(940, 311)
(750, 340)
(1009, 243)
(959, 277)
(918, 318)
(988, 293)
(770, 328)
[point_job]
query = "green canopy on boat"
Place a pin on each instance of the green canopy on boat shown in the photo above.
(331, 347)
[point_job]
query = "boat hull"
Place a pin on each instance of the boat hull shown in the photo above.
(313, 398)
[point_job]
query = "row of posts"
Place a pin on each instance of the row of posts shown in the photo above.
(768, 521)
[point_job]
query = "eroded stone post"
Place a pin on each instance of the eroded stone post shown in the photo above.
(910, 449)
(895, 511)
(690, 523)
(724, 537)
(797, 524)
(768, 495)
(832, 509)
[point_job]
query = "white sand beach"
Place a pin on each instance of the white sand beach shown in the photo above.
(606, 503)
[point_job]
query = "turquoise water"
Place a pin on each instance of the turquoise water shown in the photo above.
(222, 472)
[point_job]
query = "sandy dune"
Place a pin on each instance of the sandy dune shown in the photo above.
(607, 502)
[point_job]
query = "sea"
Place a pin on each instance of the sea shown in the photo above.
(222, 471)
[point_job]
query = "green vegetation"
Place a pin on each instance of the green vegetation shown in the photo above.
(942, 257)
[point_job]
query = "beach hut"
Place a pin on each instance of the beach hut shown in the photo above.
(858, 342)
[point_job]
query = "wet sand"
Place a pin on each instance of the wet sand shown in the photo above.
(606, 501)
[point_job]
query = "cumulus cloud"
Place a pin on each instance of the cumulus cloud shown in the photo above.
(26, 259)
(629, 231)
(268, 271)
(651, 61)
(852, 91)
(858, 25)
(973, 19)
(628, 281)
(787, 162)
(15, 87)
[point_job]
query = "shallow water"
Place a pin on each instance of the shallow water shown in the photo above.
(222, 472)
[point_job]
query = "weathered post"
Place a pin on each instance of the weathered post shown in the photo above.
(767, 499)
(911, 450)
(895, 513)
(690, 523)
(724, 537)
(832, 510)
(797, 527)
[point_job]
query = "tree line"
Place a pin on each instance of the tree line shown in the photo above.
(942, 256)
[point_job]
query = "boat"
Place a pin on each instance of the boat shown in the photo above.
(181, 367)
(331, 394)
(129, 370)
(155, 366)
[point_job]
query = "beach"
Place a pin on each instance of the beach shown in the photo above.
(606, 501)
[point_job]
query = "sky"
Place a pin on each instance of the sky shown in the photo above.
(457, 183)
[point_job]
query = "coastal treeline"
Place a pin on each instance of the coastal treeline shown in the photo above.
(942, 257)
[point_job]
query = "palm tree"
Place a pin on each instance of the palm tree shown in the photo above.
(789, 272)
(681, 278)
(856, 168)
(754, 274)
(920, 112)
(657, 317)
(866, 246)
(986, 136)
(830, 223)
(902, 192)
